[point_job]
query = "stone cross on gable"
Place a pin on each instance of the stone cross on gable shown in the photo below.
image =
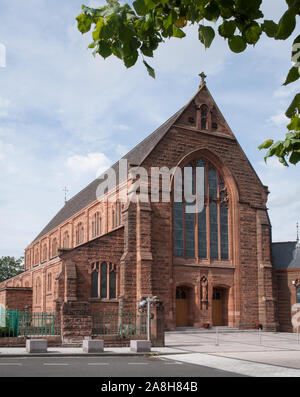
(66, 191)
(203, 76)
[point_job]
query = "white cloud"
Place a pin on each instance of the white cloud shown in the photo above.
(92, 162)
(283, 203)
(279, 119)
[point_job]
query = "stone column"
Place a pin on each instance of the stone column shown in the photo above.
(266, 297)
(157, 325)
(143, 251)
(76, 321)
(128, 259)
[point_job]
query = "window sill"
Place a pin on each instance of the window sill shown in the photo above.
(202, 262)
(104, 300)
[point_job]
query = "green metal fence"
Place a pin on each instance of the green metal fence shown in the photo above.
(29, 324)
(125, 324)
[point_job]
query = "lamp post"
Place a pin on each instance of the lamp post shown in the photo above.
(146, 301)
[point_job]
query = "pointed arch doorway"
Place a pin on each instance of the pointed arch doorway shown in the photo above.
(182, 306)
(220, 306)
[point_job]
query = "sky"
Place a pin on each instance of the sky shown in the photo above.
(66, 116)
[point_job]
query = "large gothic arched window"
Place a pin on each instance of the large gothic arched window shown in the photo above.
(202, 235)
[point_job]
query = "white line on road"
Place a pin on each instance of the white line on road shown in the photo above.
(98, 364)
(10, 364)
(55, 364)
(138, 363)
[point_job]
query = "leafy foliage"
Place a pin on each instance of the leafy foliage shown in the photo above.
(128, 32)
(9, 267)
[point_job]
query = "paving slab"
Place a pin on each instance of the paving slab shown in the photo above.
(247, 368)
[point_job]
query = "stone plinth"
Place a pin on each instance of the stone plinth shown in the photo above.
(93, 346)
(36, 346)
(140, 346)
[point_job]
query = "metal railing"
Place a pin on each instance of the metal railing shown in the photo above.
(122, 324)
(29, 324)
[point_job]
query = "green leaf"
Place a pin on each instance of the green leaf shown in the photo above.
(237, 44)
(248, 8)
(206, 35)
(212, 11)
(104, 49)
(131, 59)
(178, 32)
(84, 23)
(286, 25)
(294, 157)
(227, 29)
(270, 28)
(266, 144)
(294, 125)
(294, 107)
(149, 69)
(292, 76)
(140, 7)
(252, 33)
(225, 13)
(146, 50)
(98, 28)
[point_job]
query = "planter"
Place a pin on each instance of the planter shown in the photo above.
(206, 325)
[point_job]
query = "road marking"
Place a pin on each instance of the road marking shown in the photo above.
(55, 364)
(138, 363)
(98, 364)
(10, 364)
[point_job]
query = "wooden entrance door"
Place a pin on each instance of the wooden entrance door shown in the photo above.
(181, 307)
(217, 306)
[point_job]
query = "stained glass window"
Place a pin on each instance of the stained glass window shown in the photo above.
(213, 222)
(112, 282)
(103, 285)
(94, 284)
(224, 231)
(178, 229)
(202, 244)
(210, 225)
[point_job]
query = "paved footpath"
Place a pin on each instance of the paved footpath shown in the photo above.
(249, 353)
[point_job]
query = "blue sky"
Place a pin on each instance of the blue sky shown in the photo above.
(65, 115)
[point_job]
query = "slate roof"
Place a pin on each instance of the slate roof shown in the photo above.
(86, 196)
(286, 255)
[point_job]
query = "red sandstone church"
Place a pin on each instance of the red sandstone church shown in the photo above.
(215, 266)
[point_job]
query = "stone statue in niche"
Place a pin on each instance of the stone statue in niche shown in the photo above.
(204, 292)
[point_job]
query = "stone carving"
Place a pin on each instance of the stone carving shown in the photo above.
(204, 292)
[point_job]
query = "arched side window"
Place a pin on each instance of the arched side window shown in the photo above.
(66, 240)
(202, 235)
(38, 291)
(79, 233)
(103, 280)
(96, 225)
(204, 113)
(49, 282)
(298, 294)
(117, 214)
(214, 119)
(37, 257)
(44, 255)
(54, 247)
